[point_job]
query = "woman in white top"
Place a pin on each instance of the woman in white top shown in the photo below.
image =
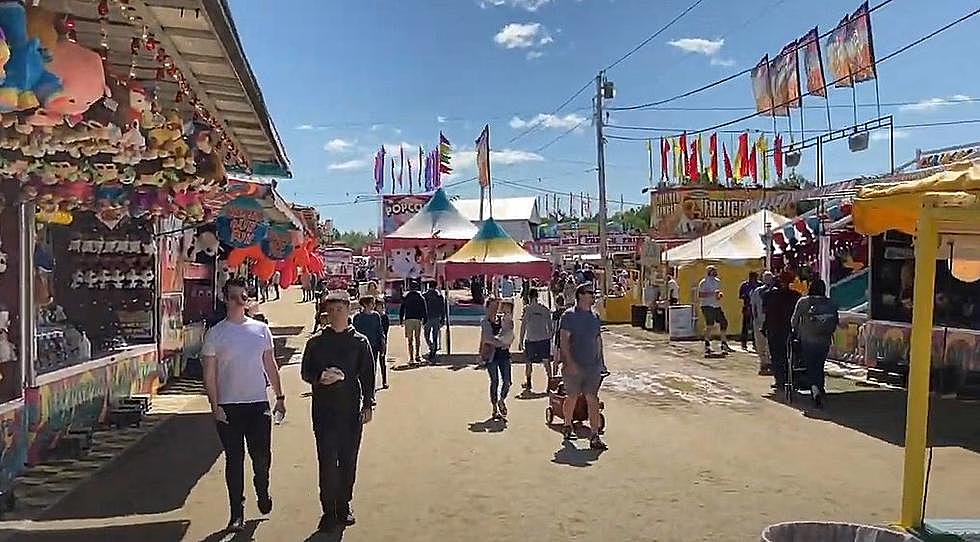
(499, 365)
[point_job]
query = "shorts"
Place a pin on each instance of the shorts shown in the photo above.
(714, 315)
(537, 351)
(582, 382)
(413, 328)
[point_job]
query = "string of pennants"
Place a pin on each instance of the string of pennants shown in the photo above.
(685, 162)
(430, 168)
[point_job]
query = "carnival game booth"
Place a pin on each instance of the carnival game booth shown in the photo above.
(109, 130)
(894, 254)
(436, 231)
(493, 253)
(735, 250)
(943, 213)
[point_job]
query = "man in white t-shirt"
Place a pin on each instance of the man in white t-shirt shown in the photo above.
(709, 297)
(673, 290)
(238, 366)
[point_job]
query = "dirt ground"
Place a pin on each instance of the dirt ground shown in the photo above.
(698, 451)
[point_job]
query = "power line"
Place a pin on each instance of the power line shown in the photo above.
(724, 80)
(951, 101)
(543, 119)
(559, 137)
(891, 55)
(654, 35)
(557, 192)
(808, 131)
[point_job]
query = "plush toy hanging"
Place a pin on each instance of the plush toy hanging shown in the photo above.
(26, 82)
(82, 84)
(264, 269)
(238, 255)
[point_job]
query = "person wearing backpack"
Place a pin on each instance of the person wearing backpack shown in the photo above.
(814, 321)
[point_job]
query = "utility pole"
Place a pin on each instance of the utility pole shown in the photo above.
(602, 89)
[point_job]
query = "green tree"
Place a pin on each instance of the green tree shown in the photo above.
(356, 240)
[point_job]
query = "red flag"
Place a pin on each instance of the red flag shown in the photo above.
(682, 142)
(752, 165)
(664, 151)
(742, 157)
(713, 152)
(692, 163)
(728, 163)
(777, 155)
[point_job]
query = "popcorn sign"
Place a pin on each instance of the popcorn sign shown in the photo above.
(241, 223)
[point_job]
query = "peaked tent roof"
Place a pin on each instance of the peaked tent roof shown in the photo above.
(492, 252)
(740, 240)
(439, 220)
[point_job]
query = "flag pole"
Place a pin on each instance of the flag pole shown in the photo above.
(489, 178)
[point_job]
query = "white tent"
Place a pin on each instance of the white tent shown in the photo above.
(517, 216)
(741, 240)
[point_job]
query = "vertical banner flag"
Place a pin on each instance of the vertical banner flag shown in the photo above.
(813, 64)
(861, 45)
(428, 172)
(445, 158)
(571, 204)
(401, 168)
(650, 158)
(713, 156)
(664, 151)
(777, 156)
(410, 176)
(728, 163)
(838, 58)
(420, 168)
(693, 175)
(379, 170)
(678, 159)
(742, 157)
(483, 157)
(701, 163)
(763, 146)
(392, 174)
(683, 143)
(786, 80)
(762, 87)
(753, 166)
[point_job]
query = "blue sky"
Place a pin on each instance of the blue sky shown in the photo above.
(342, 77)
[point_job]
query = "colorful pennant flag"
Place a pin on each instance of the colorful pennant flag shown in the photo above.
(728, 163)
(742, 157)
(701, 162)
(445, 158)
(379, 170)
(429, 178)
(650, 158)
(713, 154)
(420, 167)
(392, 174)
(684, 159)
(678, 159)
(664, 151)
(410, 176)
(777, 156)
(483, 157)
(753, 169)
(763, 147)
(693, 175)
(401, 169)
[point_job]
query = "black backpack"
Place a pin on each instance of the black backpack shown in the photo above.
(821, 318)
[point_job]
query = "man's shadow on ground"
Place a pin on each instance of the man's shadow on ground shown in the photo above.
(245, 535)
(490, 425)
(335, 535)
(573, 456)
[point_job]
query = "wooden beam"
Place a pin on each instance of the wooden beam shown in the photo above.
(177, 32)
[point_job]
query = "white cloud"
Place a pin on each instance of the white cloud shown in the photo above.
(376, 127)
(698, 45)
(411, 149)
(529, 5)
(882, 135)
(715, 61)
(932, 104)
(531, 55)
(464, 159)
(349, 165)
(338, 145)
(522, 36)
(441, 119)
(544, 120)
(306, 127)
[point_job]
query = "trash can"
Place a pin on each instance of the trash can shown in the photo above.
(638, 315)
(822, 531)
(659, 320)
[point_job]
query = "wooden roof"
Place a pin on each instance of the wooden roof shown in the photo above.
(201, 39)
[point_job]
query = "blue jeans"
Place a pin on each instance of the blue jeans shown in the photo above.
(499, 369)
(814, 355)
(431, 331)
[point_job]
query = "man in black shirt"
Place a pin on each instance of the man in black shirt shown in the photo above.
(339, 365)
(435, 309)
(412, 314)
(778, 305)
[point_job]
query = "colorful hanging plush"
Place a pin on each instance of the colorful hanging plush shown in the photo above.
(241, 223)
(82, 84)
(26, 82)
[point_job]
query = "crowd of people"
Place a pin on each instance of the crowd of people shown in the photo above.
(790, 333)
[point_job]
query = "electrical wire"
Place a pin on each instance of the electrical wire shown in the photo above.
(951, 101)
(516, 184)
(654, 35)
(755, 130)
(559, 137)
(555, 111)
(886, 58)
(724, 80)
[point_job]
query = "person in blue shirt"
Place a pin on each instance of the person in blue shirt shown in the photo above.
(368, 323)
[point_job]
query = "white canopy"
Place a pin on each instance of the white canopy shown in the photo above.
(741, 240)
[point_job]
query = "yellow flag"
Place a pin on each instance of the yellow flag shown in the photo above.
(762, 146)
(675, 144)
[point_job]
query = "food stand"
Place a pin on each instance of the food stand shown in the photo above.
(338, 267)
(943, 212)
(115, 132)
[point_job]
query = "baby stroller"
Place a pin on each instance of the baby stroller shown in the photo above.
(556, 405)
(797, 375)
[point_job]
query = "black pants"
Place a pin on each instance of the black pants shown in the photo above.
(779, 354)
(247, 423)
(748, 332)
(338, 439)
